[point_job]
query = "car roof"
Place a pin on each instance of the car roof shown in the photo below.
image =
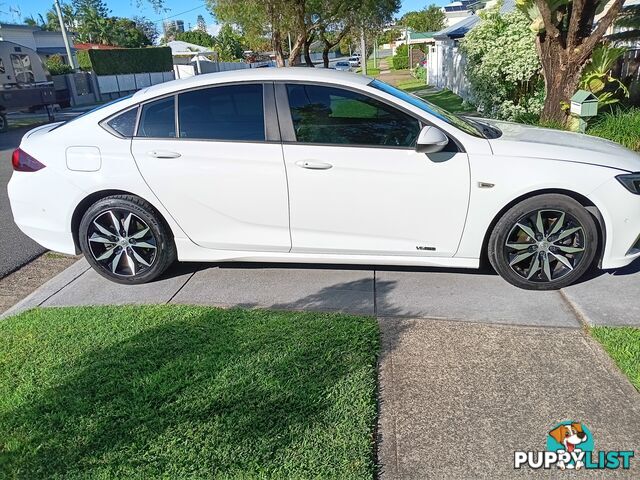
(254, 74)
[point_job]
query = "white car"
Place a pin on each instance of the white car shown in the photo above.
(319, 166)
(354, 61)
(343, 66)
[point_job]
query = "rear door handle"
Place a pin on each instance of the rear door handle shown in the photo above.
(163, 154)
(314, 165)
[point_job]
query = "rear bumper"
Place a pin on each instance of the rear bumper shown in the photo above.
(42, 205)
(620, 210)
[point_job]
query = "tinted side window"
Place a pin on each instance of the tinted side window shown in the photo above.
(124, 123)
(336, 116)
(233, 112)
(157, 119)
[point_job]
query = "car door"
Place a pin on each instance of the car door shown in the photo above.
(356, 183)
(213, 158)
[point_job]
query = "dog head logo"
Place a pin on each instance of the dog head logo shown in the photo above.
(569, 436)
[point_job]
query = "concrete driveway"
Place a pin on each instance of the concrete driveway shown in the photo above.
(608, 298)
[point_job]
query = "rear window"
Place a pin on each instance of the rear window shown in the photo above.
(125, 123)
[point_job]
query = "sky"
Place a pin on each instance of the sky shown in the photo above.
(13, 11)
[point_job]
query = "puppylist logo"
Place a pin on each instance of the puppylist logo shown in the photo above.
(570, 446)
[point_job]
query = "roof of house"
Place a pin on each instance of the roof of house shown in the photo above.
(421, 35)
(461, 28)
(19, 25)
(53, 50)
(93, 46)
(178, 46)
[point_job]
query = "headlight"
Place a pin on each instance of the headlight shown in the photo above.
(631, 182)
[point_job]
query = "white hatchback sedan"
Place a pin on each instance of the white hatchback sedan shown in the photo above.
(313, 165)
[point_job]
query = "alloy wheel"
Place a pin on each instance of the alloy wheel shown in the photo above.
(121, 242)
(545, 245)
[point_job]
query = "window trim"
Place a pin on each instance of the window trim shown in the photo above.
(175, 124)
(272, 126)
(286, 122)
(105, 122)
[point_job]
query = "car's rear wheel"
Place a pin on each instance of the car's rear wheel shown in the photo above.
(125, 240)
(544, 243)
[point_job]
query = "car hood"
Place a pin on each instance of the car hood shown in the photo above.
(537, 142)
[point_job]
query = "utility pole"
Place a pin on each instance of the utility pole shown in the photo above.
(363, 53)
(63, 29)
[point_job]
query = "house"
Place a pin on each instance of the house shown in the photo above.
(445, 64)
(45, 43)
(458, 10)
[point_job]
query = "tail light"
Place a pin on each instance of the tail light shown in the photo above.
(23, 162)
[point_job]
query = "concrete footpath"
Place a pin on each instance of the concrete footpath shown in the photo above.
(471, 368)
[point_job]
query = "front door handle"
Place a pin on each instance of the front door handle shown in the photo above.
(163, 154)
(314, 165)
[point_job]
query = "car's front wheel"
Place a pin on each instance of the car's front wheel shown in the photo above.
(544, 243)
(125, 240)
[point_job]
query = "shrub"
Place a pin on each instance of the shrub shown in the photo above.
(622, 126)
(131, 60)
(503, 66)
(84, 62)
(401, 59)
(56, 66)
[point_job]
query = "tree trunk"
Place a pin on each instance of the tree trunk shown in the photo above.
(277, 48)
(325, 56)
(561, 78)
(296, 48)
(307, 54)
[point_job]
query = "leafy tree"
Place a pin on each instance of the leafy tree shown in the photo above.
(597, 78)
(566, 35)
(257, 19)
(127, 34)
(148, 28)
(503, 68)
(429, 19)
(196, 37)
(229, 44)
(81, 6)
(389, 36)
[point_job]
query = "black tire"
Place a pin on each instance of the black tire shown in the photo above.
(145, 251)
(565, 249)
(4, 123)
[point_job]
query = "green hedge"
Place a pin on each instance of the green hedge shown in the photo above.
(84, 63)
(131, 60)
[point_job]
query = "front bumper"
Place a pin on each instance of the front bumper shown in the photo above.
(620, 211)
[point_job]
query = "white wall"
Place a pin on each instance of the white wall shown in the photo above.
(446, 68)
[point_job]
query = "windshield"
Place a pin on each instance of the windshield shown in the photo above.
(472, 128)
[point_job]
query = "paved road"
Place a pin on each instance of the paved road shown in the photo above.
(16, 249)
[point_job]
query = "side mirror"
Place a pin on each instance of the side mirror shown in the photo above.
(431, 140)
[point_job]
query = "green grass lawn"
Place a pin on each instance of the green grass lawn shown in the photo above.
(623, 345)
(143, 392)
(371, 70)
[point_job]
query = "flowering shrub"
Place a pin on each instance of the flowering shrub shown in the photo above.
(503, 68)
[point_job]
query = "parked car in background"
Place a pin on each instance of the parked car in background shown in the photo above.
(319, 166)
(343, 66)
(354, 61)
(26, 81)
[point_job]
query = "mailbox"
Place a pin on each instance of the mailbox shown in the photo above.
(584, 104)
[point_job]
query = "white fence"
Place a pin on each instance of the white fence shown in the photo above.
(184, 71)
(113, 86)
(446, 68)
